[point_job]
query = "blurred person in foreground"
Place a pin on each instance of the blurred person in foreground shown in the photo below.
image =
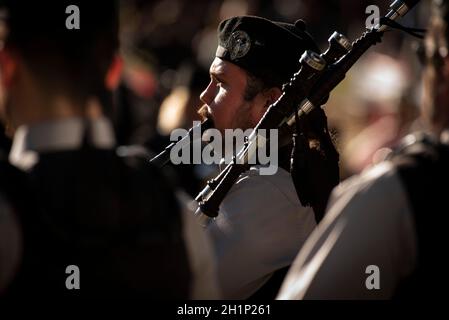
(11, 181)
(378, 111)
(261, 223)
(381, 236)
(107, 213)
(374, 110)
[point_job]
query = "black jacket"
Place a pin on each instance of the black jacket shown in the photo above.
(114, 217)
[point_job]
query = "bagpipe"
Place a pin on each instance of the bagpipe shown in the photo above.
(302, 98)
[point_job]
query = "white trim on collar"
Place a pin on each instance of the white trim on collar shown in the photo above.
(66, 134)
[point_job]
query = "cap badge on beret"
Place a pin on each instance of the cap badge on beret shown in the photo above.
(238, 44)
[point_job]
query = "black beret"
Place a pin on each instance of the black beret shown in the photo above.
(267, 49)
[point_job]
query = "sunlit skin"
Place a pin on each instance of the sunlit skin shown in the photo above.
(224, 97)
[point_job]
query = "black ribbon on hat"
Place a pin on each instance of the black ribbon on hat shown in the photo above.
(301, 26)
(314, 169)
(415, 32)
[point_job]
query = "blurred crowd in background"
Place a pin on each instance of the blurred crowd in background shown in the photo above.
(167, 47)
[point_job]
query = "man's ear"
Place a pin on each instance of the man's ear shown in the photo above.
(272, 95)
(8, 65)
(265, 98)
(114, 73)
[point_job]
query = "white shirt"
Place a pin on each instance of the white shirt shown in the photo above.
(368, 222)
(260, 228)
(67, 134)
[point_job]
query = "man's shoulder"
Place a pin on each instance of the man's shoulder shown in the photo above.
(143, 178)
(417, 150)
(266, 187)
(376, 192)
(91, 176)
(128, 160)
(371, 176)
(257, 199)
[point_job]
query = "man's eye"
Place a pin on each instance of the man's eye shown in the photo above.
(221, 84)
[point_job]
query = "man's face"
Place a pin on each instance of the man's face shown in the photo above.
(224, 97)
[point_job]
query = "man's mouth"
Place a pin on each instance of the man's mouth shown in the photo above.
(206, 114)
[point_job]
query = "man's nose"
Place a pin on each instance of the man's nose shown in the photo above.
(206, 95)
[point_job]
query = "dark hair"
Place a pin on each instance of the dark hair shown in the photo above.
(254, 85)
(72, 61)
